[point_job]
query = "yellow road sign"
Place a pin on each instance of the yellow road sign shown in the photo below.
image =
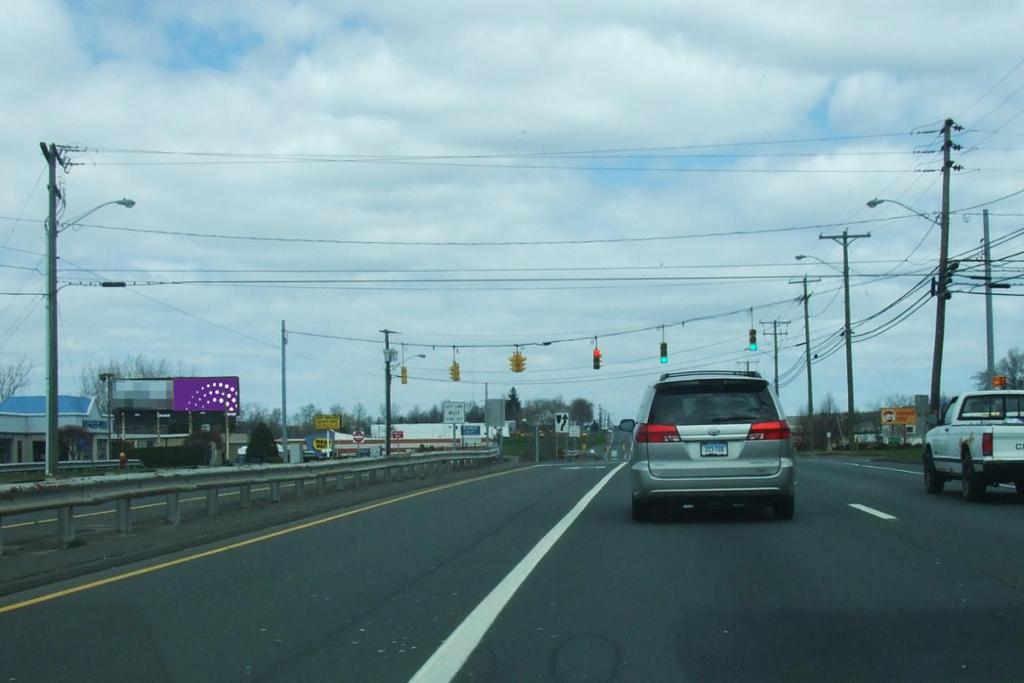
(899, 416)
(321, 422)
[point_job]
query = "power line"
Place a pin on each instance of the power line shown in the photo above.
(481, 243)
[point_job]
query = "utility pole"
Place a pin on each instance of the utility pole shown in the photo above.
(845, 240)
(284, 397)
(807, 356)
(990, 351)
(387, 392)
(775, 345)
(52, 155)
(941, 292)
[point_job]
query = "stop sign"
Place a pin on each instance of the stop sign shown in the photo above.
(358, 437)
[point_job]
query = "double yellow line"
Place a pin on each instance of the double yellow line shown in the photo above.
(241, 544)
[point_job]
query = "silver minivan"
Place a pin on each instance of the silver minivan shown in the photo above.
(711, 436)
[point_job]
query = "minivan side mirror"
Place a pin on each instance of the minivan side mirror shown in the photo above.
(627, 425)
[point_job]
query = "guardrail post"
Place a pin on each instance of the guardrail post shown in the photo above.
(66, 526)
(275, 491)
(124, 520)
(321, 485)
(211, 502)
(340, 482)
(173, 514)
(1, 536)
(245, 495)
(300, 488)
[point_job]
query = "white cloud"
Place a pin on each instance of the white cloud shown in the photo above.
(394, 80)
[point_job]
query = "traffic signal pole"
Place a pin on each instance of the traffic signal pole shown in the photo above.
(940, 295)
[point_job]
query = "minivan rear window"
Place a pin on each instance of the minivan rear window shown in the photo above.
(715, 401)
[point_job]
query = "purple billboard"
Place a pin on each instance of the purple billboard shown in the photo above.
(206, 394)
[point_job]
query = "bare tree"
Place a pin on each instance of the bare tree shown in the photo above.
(581, 411)
(1012, 366)
(14, 378)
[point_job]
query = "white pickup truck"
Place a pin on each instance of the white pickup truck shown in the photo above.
(979, 441)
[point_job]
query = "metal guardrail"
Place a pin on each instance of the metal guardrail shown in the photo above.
(63, 495)
(65, 465)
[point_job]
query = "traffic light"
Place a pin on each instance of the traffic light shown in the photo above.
(664, 353)
(943, 286)
(453, 371)
(752, 344)
(517, 362)
(405, 375)
(597, 358)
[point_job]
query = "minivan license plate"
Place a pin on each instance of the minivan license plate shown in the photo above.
(714, 449)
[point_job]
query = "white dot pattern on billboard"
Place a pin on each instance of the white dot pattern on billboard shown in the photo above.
(215, 395)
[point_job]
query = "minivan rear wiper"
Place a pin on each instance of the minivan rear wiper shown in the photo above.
(734, 418)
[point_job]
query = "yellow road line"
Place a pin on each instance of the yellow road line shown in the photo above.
(241, 544)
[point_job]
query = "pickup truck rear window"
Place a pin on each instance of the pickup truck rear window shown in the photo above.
(713, 402)
(1006, 406)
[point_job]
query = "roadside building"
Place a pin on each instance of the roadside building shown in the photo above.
(23, 427)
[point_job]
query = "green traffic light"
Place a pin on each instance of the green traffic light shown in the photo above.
(752, 347)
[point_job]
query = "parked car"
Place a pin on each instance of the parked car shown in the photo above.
(980, 441)
(711, 436)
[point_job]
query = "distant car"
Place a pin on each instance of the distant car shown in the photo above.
(711, 436)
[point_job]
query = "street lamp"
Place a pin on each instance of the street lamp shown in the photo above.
(801, 257)
(52, 230)
(940, 293)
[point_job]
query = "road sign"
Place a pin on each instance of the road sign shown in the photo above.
(561, 423)
(454, 412)
(574, 431)
(358, 437)
(397, 434)
(321, 444)
(899, 416)
(324, 422)
(471, 430)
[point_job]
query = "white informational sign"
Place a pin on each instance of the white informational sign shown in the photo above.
(574, 431)
(561, 423)
(454, 412)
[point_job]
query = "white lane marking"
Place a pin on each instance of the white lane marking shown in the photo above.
(586, 467)
(445, 663)
(872, 467)
(872, 511)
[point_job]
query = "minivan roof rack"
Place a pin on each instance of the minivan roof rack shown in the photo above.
(692, 373)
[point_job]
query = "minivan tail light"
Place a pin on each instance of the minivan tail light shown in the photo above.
(651, 433)
(986, 443)
(776, 430)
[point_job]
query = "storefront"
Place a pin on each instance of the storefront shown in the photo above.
(23, 428)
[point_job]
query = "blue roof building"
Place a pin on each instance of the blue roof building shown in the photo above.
(23, 426)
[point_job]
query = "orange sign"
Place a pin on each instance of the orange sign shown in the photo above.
(899, 416)
(999, 381)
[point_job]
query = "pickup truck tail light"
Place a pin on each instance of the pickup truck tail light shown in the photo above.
(986, 443)
(652, 433)
(776, 430)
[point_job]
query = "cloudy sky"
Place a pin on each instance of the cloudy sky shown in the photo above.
(476, 177)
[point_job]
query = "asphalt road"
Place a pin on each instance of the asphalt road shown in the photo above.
(539, 575)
